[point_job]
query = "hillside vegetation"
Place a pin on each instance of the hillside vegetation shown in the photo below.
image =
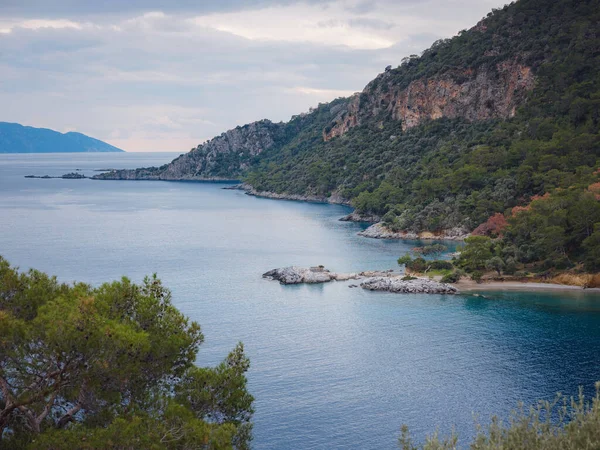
(451, 171)
(501, 114)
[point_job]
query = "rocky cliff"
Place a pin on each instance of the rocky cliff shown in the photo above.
(223, 157)
(473, 94)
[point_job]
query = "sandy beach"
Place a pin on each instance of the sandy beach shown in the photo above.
(470, 285)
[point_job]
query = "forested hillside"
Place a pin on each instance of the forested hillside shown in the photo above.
(501, 114)
(458, 171)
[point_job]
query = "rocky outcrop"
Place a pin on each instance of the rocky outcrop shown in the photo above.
(222, 158)
(415, 286)
(379, 231)
(472, 94)
(375, 280)
(312, 275)
(334, 198)
(361, 217)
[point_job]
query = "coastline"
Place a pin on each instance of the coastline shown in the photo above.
(471, 286)
(378, 231)
(333, 199)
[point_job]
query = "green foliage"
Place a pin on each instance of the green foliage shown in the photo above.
(432, 249)
(495, 263)
(452, 277)
(477, 275)
(562, 424)
(558, 230)
(452, 173)
(476, 252)
(110, 366)
(591, 248)
(405, 260)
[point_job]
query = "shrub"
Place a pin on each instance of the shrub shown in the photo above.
(476, 276)
(453, 277)
(441, 265)
(562, 424)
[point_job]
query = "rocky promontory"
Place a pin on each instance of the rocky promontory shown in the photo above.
(414, 286)
(222, 158)
(388, 281)
(311, 275)
(379, 231)
(355, 216)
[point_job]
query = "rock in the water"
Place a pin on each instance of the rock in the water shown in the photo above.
(417, 286)
(297, 275)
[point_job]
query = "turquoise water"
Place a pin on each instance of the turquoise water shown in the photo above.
(332, 367)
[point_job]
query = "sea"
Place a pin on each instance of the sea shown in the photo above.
(332, 367)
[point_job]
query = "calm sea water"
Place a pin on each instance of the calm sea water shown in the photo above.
(332, 367)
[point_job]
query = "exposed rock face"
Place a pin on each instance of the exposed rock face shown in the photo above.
(312, 275)
(379, 231)
(418, 286)
(206, 161)
(297, 275)
(472, 94)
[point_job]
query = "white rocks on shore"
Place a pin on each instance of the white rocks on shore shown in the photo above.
(417, 286)
(378, 231)
(312, 275)
(297, 275)
(374, 280)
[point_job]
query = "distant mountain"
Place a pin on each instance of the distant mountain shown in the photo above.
(15, 138)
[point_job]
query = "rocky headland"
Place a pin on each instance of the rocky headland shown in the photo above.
(415, 286)
(223, 158)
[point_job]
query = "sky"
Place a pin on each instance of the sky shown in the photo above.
(166, 75)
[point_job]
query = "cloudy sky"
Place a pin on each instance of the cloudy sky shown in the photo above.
(165, 75)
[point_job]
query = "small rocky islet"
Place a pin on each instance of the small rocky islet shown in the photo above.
(66, 176)
(387, 281)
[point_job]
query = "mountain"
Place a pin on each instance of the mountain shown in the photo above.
(478, 124)
(15, 138)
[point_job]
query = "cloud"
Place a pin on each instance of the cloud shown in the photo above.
(154, 75)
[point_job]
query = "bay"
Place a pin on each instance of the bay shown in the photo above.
(332, 367)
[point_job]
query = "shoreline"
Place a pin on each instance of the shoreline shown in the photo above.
(523, 286)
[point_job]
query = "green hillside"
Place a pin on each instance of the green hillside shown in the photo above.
(455, 172)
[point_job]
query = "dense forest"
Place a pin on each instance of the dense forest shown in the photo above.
(500, 123)
(451, 172)
(455, 173)
(111, 367)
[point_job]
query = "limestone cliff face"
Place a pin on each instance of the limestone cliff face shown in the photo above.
(472, 94)
(223, 157)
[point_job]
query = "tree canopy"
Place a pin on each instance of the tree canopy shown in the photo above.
(111, 366)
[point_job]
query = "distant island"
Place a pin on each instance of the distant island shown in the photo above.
(16, 138)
